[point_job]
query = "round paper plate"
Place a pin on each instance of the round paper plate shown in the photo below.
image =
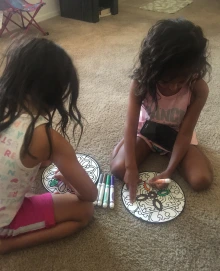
(55, 186)
(154, 205)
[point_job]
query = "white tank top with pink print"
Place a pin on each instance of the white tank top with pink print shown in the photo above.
(15, 178)
(170, 111)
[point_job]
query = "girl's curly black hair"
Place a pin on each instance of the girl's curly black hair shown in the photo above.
(172, 48)
(40, 72)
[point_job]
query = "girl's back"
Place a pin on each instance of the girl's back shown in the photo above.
(15, 178)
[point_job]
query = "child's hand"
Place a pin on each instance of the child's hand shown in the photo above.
(59, 176)
(132, 180)
(154, 181)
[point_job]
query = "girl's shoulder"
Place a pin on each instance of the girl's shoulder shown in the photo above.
(135, 84)
(200, 88)
(39, 148)
(40, 145)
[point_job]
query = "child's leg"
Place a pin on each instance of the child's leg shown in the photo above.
(118, 157)
(71, 215)
(196, 169)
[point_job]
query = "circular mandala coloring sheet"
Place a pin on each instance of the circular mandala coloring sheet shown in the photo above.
(154, 205)
(55, 186)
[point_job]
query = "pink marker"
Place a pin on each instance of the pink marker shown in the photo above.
(159, 181)
(167, 180)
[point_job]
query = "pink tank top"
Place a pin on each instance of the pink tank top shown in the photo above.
(170, 111)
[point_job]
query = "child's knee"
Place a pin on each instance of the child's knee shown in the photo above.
(117, 168)
(87, 214)
(199, 183)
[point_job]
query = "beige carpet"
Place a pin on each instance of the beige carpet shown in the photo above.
(116, 241)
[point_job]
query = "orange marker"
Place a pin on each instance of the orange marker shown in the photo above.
(147, 188)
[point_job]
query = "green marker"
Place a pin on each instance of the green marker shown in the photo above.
(106, 195)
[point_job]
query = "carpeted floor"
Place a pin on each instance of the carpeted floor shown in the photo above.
(104, 54)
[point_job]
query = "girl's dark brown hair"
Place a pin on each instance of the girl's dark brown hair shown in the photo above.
(39, 71)
(172, 48)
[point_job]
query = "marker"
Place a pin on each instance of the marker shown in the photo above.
(160, 181)
(98, 188)
(102, 189)
(163, 180)
(112, 203)
(106, 195)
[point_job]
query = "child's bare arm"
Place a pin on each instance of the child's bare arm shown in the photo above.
(64, 158)
(198, 100)
(131, 174)
(200, 94)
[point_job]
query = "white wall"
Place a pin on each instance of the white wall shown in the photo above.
(51, 9)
